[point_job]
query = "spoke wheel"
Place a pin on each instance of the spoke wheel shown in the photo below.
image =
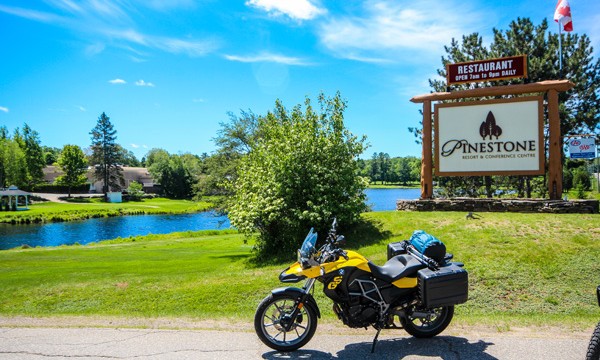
(425, 323)
(275, 326)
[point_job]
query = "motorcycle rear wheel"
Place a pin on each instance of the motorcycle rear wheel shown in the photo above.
(274, 313)
(593, 352)
(437, 321)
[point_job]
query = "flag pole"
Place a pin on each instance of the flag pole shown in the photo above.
(559, 51)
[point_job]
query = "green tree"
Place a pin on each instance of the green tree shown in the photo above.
(51, 155)
(34, 155)
(13, 167)
(128, 157)
(300, 172)
(375, 168)
(135, 191)
(176, 174)
(233, 141)
(404, 170)
(3, 132)
(384, 165)
(579, 107)
(106, 156)
(582, 179)
(73, 164)
(155, 156)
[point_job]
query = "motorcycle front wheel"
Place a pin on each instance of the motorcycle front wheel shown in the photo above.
(426, 323)
(274, 315)
(593, 352)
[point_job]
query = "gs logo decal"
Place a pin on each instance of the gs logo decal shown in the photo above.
(334, 283)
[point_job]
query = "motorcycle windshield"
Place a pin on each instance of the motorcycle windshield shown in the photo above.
(308, 246)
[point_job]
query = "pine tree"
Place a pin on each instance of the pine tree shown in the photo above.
(106, 155)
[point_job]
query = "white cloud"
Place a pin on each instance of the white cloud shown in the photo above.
(198, 100)
(268, 57)
(391, 30)
(106, 22)
(32, 14)
(81, 108)
(4, 109)
(295, 9)
(193, 48)
(135, 146)
(143, 83)
(117, 81)
(94, 49)
(179, 46)
(67, 5)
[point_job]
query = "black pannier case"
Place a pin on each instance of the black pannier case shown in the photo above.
(396, 248)
(449, 285)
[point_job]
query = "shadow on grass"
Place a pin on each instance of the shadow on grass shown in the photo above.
(363, 233)
(77, 200)
(232, 257)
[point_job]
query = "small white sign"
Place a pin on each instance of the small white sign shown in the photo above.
(584, 148)
(494, 137)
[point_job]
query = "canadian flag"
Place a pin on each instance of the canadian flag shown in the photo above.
(562, 15)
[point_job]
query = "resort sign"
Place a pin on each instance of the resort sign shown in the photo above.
(493, 137)
(487, 70)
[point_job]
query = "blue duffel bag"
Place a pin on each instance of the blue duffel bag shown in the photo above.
(428, 245)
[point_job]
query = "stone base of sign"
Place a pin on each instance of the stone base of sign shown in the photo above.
(502, 205)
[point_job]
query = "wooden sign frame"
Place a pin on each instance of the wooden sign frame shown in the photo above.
(550, 88)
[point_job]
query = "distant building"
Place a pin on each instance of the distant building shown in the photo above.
(9, 199)
(130, 174)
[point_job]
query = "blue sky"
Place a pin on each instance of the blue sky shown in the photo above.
(167, 72)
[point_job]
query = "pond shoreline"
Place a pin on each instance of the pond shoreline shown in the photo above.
(74, 223)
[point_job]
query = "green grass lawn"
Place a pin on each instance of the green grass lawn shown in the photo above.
(53, 212)
(524, 269)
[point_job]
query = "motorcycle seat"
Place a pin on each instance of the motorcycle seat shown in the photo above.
(397, 267)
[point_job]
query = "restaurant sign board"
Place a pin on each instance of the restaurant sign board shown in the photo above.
(487, 70)
(492, 137)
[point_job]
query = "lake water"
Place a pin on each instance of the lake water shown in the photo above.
(93, 230)
(385, 199)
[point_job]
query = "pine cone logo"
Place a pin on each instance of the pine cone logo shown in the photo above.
(489, 127)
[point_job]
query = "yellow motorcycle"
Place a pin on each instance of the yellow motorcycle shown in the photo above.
(415, 290)
(593, 352)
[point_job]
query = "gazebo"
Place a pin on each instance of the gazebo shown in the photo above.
(13, 193)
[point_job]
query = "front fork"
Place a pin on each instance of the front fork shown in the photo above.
(300, 303)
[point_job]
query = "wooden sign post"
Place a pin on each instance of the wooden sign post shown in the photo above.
(550, 88)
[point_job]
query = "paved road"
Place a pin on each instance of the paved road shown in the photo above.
(97, 343)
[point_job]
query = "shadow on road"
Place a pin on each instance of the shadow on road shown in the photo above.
(441, 347)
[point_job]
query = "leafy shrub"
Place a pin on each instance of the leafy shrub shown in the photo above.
(300, 173)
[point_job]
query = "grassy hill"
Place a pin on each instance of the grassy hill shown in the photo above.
(525, 268)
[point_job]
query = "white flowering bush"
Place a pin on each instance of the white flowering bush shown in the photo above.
(300, 173)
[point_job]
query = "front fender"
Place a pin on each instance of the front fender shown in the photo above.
(309, 300)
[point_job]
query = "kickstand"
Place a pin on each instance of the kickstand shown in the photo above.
(375, 341)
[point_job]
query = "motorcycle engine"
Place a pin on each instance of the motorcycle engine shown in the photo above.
(358, 312)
